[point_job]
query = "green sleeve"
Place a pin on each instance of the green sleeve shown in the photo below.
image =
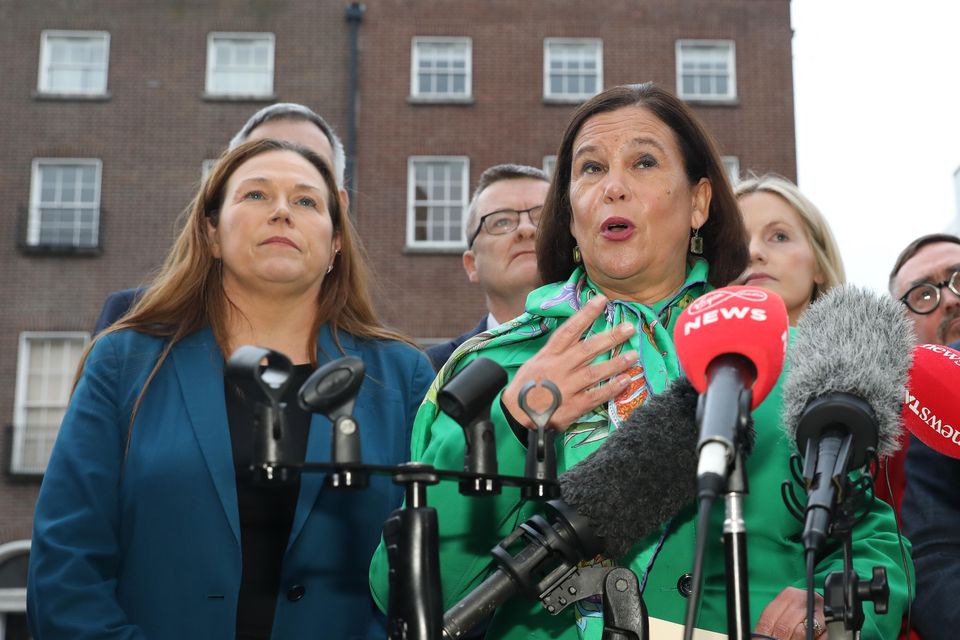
(469, 527)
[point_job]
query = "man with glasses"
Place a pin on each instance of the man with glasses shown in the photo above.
(925, 278)
(500, 227)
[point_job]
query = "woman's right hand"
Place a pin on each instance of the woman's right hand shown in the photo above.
(566, 360)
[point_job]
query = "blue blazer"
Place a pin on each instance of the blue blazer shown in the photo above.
(116, 304)
(149, 547)
(440, 353)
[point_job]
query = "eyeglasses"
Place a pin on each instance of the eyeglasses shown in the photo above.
(924, 298)
(503, 221)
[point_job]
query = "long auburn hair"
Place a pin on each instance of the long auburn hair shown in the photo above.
(187, 292)
(724, 236)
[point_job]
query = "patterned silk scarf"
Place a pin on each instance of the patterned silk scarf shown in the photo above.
(550, 305)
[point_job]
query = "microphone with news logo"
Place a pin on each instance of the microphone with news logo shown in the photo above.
(731, 343)
(929, 407)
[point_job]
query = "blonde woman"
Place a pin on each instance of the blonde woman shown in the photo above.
(792, 251)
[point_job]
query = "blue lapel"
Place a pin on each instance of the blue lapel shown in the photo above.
(318, 440)
(199, 367)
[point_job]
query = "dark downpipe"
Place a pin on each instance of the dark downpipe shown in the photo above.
(354, 17)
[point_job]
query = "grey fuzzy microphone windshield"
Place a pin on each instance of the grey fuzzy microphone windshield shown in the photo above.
(643, 473)
(855, 342)
(841, 400)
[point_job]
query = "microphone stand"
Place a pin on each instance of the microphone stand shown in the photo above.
(735, 552)
(411, 536)
(411, 533)
(844, 592)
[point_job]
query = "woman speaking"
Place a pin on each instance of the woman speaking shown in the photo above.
(639, 221)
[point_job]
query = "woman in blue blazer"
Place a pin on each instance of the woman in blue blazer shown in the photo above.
(148, 524)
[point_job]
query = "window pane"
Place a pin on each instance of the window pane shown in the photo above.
(50, 363)
(58, 51)
(241, 66)
(441, 68)
(66, 211)
(439, 199)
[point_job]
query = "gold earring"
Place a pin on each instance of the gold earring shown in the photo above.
(696, 243)
(577, 258)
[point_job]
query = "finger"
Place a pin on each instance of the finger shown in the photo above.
(599, 394)
(605, 341)
(770, 616)
(800, 630)
(601, 372)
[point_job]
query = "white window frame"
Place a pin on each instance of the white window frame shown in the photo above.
(43, 74)
(205, 168)
(731, 165)
(570, 97)
(433, 96)
(549, 164)
(12, 599)
(731, 55)
(213, 36)
(412, 242)
(17, 464)
(33, 218)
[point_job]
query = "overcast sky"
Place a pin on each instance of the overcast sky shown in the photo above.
(878, 122)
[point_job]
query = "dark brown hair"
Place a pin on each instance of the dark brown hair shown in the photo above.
(724, 236)
(912, 249)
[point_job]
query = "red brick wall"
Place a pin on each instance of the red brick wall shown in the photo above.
(509, 122)
(156, 129)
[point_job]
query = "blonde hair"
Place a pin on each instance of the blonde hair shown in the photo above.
(824, 245)
(187, 293)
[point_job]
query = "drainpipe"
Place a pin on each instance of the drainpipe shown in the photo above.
(354, 16)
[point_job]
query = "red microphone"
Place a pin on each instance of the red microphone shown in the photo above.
(929, 404)
(731, 343)
(745, 321)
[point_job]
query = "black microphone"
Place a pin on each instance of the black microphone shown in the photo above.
(841, 400)
(610, 500)
(467, 399)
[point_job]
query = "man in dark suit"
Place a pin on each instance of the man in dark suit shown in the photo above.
(926, 278)
(500, 228)
(282, 121)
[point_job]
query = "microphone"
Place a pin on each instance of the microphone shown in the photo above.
(620, 488)
(610, 500)
(731, 343)
(928, 407)
(467, 399)
(841, 400)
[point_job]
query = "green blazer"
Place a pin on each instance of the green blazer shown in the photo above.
(470, 527)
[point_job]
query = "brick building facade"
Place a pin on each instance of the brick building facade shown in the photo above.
(445, 89)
